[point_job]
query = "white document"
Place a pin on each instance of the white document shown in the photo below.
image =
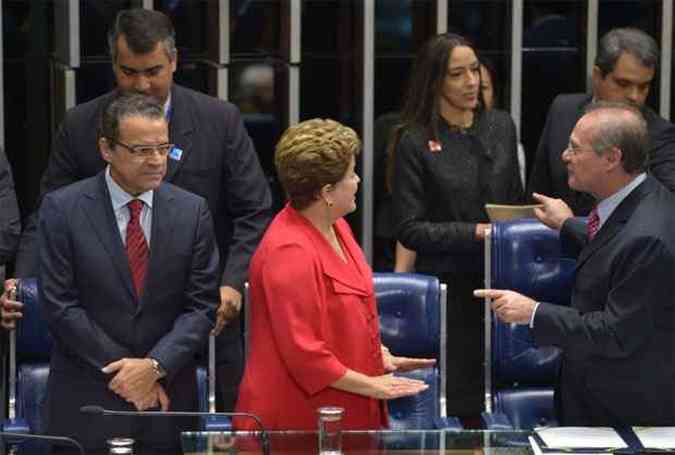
(656, 437)
(537, 450)
(581, 437)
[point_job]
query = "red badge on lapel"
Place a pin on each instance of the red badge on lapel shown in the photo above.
(434, 146)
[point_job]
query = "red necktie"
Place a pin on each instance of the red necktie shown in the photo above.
(137, 247)
(593, 224)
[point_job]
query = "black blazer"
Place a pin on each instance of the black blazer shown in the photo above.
(218, 162)
(549, 173)
(88, 300)
(439, 196)
(618, 336)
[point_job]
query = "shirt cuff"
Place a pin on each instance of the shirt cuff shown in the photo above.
(534, 311)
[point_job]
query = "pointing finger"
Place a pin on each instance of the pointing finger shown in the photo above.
(488, 293)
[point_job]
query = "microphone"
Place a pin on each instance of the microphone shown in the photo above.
(264, 437)
(58, 440)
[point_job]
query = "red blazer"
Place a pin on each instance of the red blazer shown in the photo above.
(313, 316)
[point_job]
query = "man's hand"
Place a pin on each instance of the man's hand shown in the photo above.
(554, 211)
(230, 305)
(481, 230)
(395, 363)
(134, 380)
(509, 306)
(10, 309)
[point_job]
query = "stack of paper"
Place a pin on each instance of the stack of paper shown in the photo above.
(656, 437)
(567, 440)
(498, 212)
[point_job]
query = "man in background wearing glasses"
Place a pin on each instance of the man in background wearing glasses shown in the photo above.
(128, 286)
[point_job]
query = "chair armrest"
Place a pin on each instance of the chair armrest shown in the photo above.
(448, 423)
(496, 421)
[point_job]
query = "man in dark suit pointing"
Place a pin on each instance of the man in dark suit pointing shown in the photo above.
(213, 157)
(624, 69)
(618, 335)
(128, 285)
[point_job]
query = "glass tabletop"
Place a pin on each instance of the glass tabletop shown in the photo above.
(363, 442)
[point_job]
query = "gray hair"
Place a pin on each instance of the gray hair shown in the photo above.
(622, 126)
(630, 40)
(125, 105)
(142, 29)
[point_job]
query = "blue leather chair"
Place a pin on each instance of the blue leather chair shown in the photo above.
(412, 324)
(29, 370)
(30, 348)
(524, 256)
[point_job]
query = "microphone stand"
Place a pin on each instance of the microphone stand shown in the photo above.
(59, 440)
(264, 437)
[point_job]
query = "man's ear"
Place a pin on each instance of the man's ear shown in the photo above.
(596, 77)
(106, 149)
(614, 157)
(174, 61)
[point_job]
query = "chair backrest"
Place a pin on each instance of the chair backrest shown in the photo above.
(412, 324)
(524, 256)
(30, 349)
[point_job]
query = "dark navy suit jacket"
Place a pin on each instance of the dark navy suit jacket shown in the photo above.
(95, 317)
(618, 335)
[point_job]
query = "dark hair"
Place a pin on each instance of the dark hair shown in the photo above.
(142, 29)
(421, 107)
(492, 71)
(127, 105)
(312, 154)
(630, 40)
(622, 126)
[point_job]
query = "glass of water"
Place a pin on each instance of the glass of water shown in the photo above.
(330, 430)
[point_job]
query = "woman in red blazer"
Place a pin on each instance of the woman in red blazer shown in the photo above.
(314, 330)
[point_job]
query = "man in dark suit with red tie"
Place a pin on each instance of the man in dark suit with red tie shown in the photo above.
(128, 285)
(213, 157)
(618, 335)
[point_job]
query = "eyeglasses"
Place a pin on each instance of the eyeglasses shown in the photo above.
(575, 150)
(145, 151)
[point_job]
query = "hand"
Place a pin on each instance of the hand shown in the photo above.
(509, 306)
(481, 230)
(10, 309)
(394, 363)
(389, 387)
(554, 213)
(404, 364)
(134, 379)
(230, 305)
(157, 396)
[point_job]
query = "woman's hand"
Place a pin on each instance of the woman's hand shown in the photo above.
(389, 387)
(394, 363)
(385, 387)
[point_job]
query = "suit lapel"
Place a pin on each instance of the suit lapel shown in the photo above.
(616, 221)
(180, 131)
(102, 219)
(163, 212)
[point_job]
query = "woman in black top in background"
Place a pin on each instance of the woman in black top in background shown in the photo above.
(450, 158)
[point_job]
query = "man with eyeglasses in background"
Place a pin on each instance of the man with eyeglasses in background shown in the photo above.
(128, 286)
(213, 157)
(623, 72)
